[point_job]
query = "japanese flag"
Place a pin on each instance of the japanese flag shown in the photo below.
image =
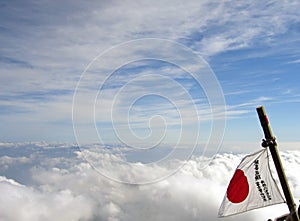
(252, 186)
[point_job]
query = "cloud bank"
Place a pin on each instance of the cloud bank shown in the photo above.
(53, 182)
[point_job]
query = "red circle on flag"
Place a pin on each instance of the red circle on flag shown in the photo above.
(238, 188)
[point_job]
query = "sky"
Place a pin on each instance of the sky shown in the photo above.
(98, 71)
(117, 110)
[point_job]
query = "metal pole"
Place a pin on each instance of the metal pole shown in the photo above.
(270, 142)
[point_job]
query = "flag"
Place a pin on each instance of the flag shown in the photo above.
(252, 186)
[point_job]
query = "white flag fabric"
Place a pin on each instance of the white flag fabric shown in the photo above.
(252, 186)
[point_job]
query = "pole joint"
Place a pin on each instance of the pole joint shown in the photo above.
(269, 142)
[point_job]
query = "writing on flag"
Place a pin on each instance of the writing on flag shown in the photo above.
(252, 186)
(261, 185)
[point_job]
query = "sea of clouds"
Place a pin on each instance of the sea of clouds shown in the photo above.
(42, 181)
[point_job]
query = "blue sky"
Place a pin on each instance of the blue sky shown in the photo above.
(252, 49)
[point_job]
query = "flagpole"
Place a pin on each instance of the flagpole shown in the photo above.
(270, 142)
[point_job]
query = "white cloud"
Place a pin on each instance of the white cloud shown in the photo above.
(294, 61)
(25, 203)
(68, 188)
(6, 161)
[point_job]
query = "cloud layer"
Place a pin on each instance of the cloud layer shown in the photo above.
(52, 182)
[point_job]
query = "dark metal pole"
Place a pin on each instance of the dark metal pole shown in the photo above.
(270, 142)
